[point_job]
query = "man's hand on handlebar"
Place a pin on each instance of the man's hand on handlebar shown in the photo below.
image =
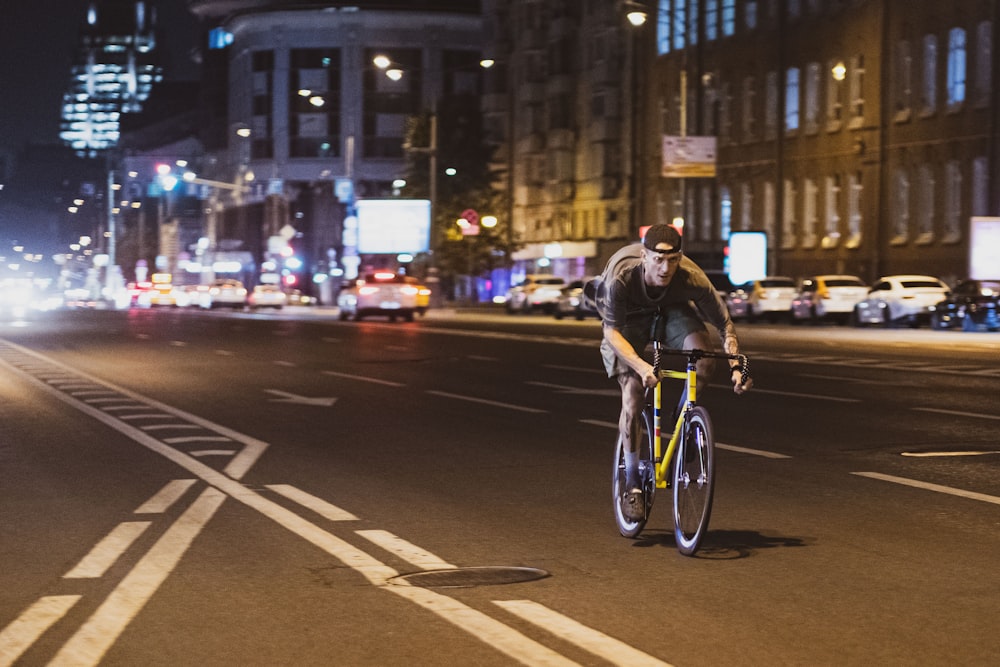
(738, 386)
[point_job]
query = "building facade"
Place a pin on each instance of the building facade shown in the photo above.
(860, 135)
(113, 73)
(312, 124)
(561, 102)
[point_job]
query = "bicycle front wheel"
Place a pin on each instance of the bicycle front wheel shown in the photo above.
(693, 481)
(626, 526)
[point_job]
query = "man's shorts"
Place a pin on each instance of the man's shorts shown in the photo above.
(681, 321)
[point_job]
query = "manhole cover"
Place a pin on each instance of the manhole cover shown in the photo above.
(466, 577)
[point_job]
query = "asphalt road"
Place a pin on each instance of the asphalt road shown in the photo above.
(183, 487)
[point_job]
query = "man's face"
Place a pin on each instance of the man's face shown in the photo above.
(660, 265)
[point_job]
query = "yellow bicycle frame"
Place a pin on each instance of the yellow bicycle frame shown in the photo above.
(662, 458)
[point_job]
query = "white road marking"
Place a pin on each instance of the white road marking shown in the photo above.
(212, 452)
(146, 415)
(958, 413)
(409, 552)
(755, 452)
(774, 392)
(23, 631)
(837, 378)
(164, 427)
(972, 495)
(196, 438)
(288, 397)
(309, 501)
(363, 378)
(614, 651)
(598, 422)
(476, 357)
(927, 455)
(106, 552)
(166, 497)
(567, 389)
(500, 636)
(485, 401)
(89, 644)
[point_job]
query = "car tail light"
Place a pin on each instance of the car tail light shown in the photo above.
(384, 275)
(408, 290)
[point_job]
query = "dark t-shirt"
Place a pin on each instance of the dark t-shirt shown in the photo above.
(626, 299)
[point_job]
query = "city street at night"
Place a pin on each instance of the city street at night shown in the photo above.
(183, 486)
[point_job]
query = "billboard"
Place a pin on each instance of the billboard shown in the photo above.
(688, 157)
(984, 248)
(393, 226)
(746, 257)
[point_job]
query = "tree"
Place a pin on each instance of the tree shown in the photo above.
(460, 147)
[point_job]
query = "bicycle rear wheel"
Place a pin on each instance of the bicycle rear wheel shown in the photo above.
(693, 481)
(627, 527)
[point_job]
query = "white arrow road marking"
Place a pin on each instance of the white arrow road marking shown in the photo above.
(287, 397)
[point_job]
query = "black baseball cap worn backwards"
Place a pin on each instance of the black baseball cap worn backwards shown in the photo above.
(662, 233)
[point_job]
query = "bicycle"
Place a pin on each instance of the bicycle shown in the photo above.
(690, 450)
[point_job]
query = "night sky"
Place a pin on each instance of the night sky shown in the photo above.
(37, 40)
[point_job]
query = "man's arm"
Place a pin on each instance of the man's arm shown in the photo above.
(633, 359)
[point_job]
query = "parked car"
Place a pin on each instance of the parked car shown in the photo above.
(770, 297)
(536, 292)
(571, 302)
(380, 293)
(267, 296)
(908, 299)
(827, 296)
(728, 292)
(972, 304)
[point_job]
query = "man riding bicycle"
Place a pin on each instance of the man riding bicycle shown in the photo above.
(641, 282)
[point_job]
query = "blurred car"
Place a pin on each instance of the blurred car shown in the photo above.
(827, 296)
(423, 294)
(161, 294)
(225, 292)
(906, 299)
(571, 302)
(267, 296)
(536, 292)
(380, 293)
(728, 292)
(770, 298)
(972, 304)
(17, 298)
(297, 298)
